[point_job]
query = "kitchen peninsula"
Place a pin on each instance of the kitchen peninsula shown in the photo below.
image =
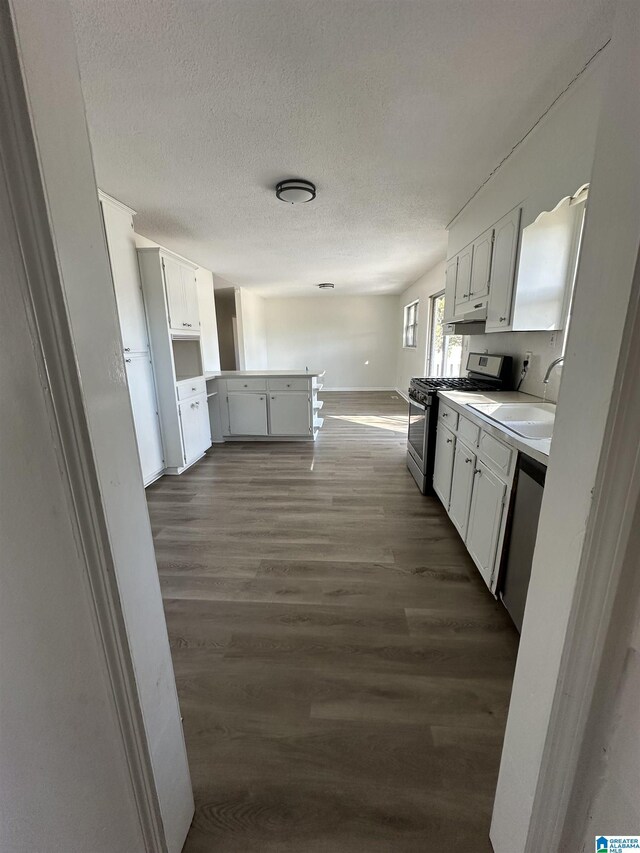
(264, 405)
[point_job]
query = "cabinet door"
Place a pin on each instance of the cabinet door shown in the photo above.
(463, 281)
(190, 288)
(289, 413)
(247, 414)
(503, 270)
(481, 267)
(464, 464)
(176, 295)
(443, 466)
(192, 414)
(451, 275)
(123, 258)
(144, 405)
(204, 423)
(485, 517)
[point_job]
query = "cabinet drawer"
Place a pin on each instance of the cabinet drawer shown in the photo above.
(191, 388)
(290, 383)
(448, 416)
(495, 453)
(246, 384)
(468, 431)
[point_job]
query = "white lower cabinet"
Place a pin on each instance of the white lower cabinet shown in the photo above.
(247, 413)
(485, 520)
(289, 413)
(443, 467)
(464, 465)
(472, 475)
(144, 406)
(194, 423)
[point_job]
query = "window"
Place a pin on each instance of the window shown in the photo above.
(445, 351)
(410, 335)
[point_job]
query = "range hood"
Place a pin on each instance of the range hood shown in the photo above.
(465, 327)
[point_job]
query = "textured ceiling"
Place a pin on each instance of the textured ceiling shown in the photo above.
(396, 109)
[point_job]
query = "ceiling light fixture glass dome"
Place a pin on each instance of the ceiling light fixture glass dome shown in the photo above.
(295, 191)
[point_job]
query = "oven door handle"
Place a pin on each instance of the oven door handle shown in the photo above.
(418, 405)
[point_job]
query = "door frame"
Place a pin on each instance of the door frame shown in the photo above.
(43, 296)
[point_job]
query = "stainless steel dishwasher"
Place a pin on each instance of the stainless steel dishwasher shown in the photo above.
(522, 539)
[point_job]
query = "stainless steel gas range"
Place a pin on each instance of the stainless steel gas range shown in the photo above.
(485, 373)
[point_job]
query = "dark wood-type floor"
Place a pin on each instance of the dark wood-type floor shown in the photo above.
(343, 672)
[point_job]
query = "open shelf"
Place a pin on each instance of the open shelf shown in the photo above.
(318, 404)
(317, 422)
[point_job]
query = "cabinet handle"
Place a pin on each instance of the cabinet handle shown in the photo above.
(449, 441)
(185, 324)
(466, 295)
(273, 398)
(193, 405)
(193, 389)
(127, 349)
(445, 415)
(477, 471)
(479, 305)
(467, 460)
(501, 319)
(128, 360)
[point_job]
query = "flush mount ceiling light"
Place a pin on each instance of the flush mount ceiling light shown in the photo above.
(295, 191)
(326, 285)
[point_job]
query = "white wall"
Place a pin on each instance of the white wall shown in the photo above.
(606, 270)
(554, 161)
(412, 362)
(252, 330)
(353, 338)
(65, 783)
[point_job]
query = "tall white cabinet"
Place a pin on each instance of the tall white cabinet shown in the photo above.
(118, 227)
(170, 294)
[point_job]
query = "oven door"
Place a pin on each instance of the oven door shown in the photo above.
(417, 438)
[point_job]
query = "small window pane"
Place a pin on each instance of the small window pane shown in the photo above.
(445, 354)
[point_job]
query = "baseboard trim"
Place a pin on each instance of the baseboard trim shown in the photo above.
(360, 388)
(402, 394)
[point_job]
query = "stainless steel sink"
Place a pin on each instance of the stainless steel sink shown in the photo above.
(530, 420)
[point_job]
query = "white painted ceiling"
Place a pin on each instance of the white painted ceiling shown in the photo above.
(396, 109)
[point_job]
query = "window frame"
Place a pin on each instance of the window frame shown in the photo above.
(406, 326)
(440, 294)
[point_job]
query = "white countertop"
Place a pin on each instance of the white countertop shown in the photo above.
(537, 448)
(239, 374)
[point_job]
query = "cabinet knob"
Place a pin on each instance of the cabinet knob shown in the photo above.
(445, 414)
(467, 460)
(245, 385)
(128, 360)
(127, 349)
(477, 471)
(501, 319)
(479, 305)
(449, 441)
(185, 324)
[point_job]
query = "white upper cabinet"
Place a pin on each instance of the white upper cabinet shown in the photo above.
(485, 519)
(118, 226)
(182, 297)
(481, 267)
(451, 276)
(503, 269)
(463, 280)
(290, 413)
(464, 464)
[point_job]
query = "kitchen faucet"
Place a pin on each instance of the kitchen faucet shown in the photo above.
(553, 364)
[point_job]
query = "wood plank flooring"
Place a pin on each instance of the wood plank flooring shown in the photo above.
(343, 672)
